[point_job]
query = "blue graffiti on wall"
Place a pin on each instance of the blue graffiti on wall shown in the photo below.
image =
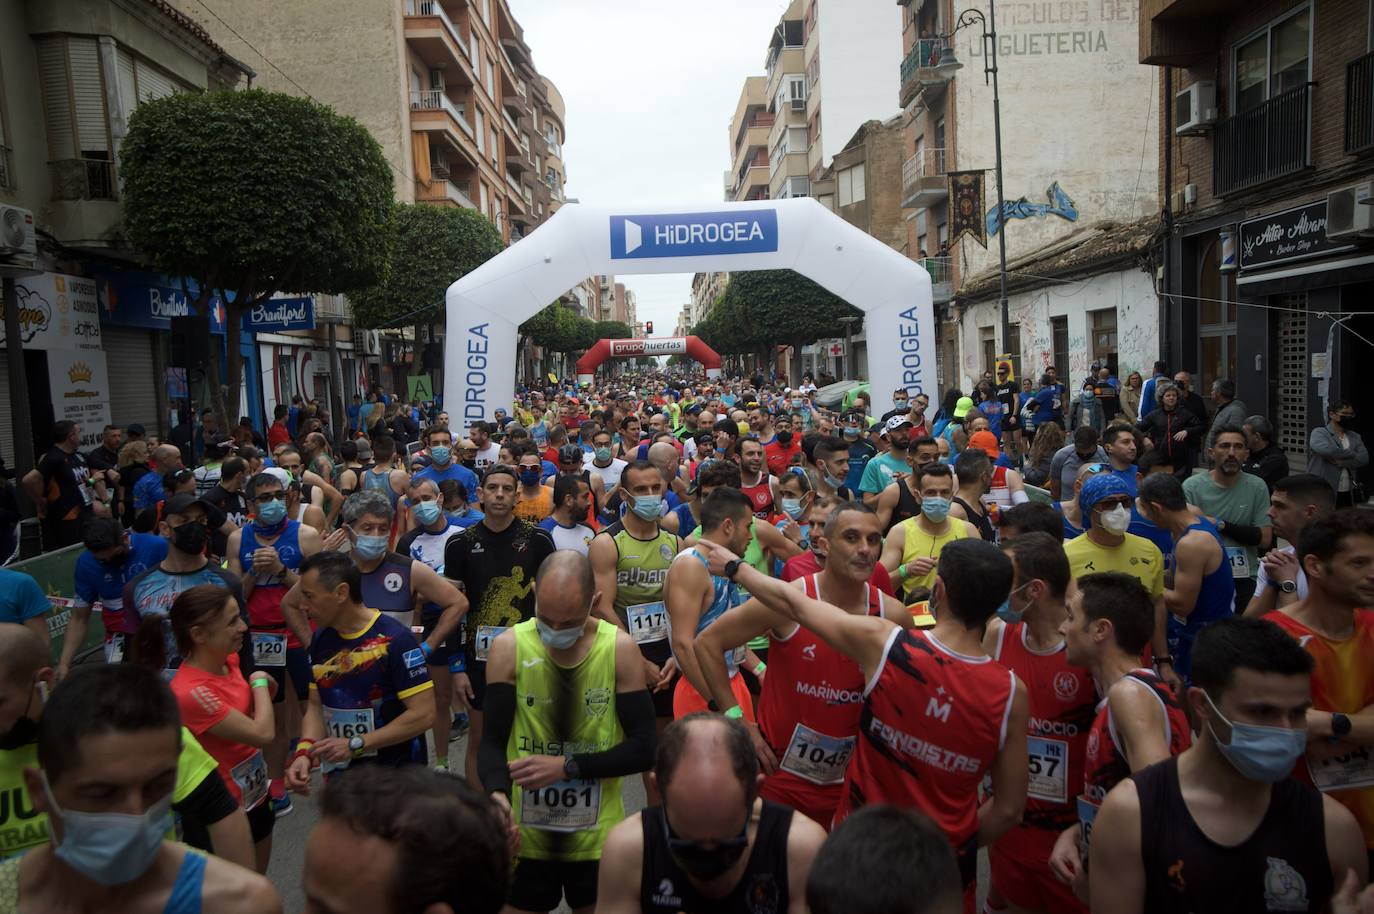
(1059, 205)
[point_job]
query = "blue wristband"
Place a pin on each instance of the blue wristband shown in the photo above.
(425, 649)
(458, 664)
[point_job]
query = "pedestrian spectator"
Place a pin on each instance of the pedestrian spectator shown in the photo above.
(1047, 441)
(106, 455)
(1168, 429)
(1149, 392)
(62, 488)
(1190, 400)
(354, 413)
(1085, 448)
(1267, 460)
(882, 860)
(1048, 404)
(1336, 453)
(279, 434)
(133, 466)
(1086, 411)
(1230, 411)
(1130, 396)
(1240, 504)
(1107, 388)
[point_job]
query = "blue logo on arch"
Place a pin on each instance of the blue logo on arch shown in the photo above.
(744, 231)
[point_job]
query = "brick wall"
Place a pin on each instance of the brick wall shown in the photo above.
(1339, 35)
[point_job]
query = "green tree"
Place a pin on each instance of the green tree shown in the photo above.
(428, 248)
(252, 193)
(783, 307)
(614, 330)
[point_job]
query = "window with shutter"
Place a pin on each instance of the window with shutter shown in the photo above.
(153, 83)
(128, 82)
(57, 100)
(88, 95)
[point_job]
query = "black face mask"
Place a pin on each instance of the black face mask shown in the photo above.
(784, 438)
(190, 538)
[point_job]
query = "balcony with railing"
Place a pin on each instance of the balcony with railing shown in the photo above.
(432, 111)
(918, 73)
(923, 179)
(444, 192)
(83, 179)
(1270, 141)
(941, 278)
(1359, 105)
(435, 37)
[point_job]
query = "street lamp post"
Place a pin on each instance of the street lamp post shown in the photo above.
(948, 64)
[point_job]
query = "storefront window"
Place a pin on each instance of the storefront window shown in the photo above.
(1216, 322)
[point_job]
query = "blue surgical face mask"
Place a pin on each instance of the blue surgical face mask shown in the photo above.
(851, 431)
(834, 482)
(529, 476)
(647, 506)
(370, 547)
(796, 404)
(902, 405)
(558, 639)
(1264, 754)
(935, 508)
(109, 848)
(792, 507)
(603, 454)
(272, 513)
(427, 512)
(1005, 612)
(457, 515)
(440, 455)
(1088, 396)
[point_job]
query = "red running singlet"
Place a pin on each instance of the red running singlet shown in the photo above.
(809, 714)
(932, 724)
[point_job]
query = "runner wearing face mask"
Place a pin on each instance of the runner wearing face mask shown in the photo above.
(109, 747)
(785, 449)
(1106, 503)
(567, 716)
(861, 450)
(1222, 827)
(911, 550)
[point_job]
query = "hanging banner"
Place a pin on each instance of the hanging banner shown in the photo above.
(966, 207)
(56, 311)
(80, 391)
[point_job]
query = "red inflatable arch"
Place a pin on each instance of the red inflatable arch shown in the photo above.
(620, 349)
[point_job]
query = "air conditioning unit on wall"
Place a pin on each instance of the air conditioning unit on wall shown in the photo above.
(1195, 108)
(16, 233)
(1349, 214)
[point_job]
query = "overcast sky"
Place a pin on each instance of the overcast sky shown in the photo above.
(650, 89)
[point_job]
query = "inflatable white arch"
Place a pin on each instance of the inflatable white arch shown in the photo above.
(485, 307)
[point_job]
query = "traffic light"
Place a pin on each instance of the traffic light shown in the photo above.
(648, 328)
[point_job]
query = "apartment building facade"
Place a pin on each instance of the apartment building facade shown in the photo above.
(105, 340)
(1076, 113)
(1265, 157)
(750, 128)
(447, 87)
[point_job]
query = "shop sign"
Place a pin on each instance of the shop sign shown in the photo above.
(80, 391)
(56, 311)
(279, 314)
(150, 301)
(1293, 234)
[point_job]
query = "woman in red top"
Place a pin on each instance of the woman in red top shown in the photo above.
(231, 718)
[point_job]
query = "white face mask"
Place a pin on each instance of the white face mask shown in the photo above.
(1116, 520)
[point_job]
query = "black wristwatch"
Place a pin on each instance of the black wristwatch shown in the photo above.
(732, 568)
(1288, 586)
(571, 768)
(1340, 725)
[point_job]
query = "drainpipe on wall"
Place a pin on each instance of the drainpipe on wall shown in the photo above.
(1167, 218)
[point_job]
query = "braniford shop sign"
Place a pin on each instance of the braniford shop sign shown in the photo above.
(279, 314)
(1294, 234)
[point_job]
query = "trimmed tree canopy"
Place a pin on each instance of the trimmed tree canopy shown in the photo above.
(430, 247)
(251, 194)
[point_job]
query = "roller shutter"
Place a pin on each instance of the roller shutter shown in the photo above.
(130, 366)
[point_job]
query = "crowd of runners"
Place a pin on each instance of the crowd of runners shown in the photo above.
(850, 645)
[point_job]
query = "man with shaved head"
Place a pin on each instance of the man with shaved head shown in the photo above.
(166, 458)
(714, 844)
(568, 714)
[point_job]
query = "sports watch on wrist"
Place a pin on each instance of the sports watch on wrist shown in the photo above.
(1340, 725)
(1288, 586)
(732, 568)
(571, 768)
(355, 745)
